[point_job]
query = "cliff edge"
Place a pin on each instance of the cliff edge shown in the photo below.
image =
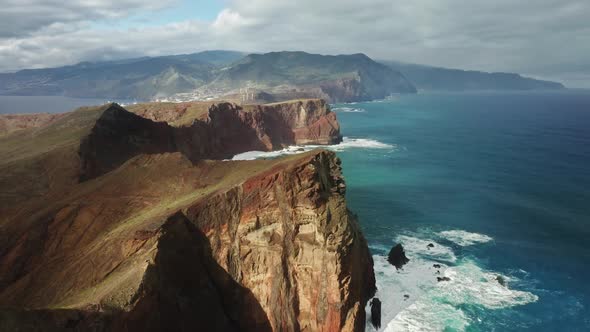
(159, 236)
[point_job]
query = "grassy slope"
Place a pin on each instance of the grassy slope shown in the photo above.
(90, 254)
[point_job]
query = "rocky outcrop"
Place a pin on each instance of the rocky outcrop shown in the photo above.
(153, 239)
(220, 132)
(376, 313)
(397, 256)
(289, 238)
(275, 251)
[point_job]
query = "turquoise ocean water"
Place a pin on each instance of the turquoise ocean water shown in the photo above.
(500, 184)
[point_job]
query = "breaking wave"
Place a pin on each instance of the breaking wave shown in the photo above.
(347, 143)
(414, 300)
(464, 238)
(349, 110)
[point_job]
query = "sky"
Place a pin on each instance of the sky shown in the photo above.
(547, 39)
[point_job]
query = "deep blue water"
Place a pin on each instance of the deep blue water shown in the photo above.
(511, 166)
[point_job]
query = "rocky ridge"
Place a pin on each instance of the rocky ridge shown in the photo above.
(138, 229)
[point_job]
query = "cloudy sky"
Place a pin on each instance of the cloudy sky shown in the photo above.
(541, 38)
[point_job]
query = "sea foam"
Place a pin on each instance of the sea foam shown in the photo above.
(349, 110)
(434, 305)
(347, 143)
(416, 247)
(464, 238)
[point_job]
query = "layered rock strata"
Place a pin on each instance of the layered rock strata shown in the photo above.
(154, 236)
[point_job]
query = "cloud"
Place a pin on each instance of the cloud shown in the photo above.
(539, 38)
(22, 17)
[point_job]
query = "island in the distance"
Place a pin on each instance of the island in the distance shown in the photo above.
(254, 78)
(116, 219)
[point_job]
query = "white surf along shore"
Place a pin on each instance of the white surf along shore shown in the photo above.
(414, 300)
(347, 143)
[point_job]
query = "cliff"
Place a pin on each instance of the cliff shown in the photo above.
(220, 132)
(156, 236)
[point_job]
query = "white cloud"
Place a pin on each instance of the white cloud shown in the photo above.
(22, 17)
(539, 38)
(229, 20)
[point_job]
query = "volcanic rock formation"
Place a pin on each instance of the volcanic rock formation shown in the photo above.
(397, 256)
(112, 222)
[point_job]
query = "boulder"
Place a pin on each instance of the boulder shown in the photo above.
(376, 313)
(397, 256)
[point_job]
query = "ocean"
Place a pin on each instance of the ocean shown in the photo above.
(499, 183)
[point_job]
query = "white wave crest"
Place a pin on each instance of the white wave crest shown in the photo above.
(416, 247)
(438, 307)
(464, 238)
(472, 285)
(393, 285)
(362, 143)
(433, 305)
(349, 110)
(347, 143)
(427, 316)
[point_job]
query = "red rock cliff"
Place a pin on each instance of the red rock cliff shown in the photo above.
(161, 241)
(223, 130)
(289, 238)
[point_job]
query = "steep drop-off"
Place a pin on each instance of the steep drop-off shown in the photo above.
(150, 239)
(219, 132)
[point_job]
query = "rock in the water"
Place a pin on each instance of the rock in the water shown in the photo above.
(376, 312)
(501, 280)
(439, 279)
(397, 256)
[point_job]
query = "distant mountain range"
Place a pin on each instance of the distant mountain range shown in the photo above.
(428, 78)
(253, 78)
(288, 75)
(139, 78)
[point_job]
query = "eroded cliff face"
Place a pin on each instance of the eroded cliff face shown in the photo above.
(217, 132)
(289, 238)
(159, 240)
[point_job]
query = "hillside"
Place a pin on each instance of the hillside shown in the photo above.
(140, 78)
(113, 222)
(214, 74)
(429, 78)
(340, 78)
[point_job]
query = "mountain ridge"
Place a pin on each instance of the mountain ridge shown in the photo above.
(254, 78)
(431, 78)
(215, 74)
(111, 221)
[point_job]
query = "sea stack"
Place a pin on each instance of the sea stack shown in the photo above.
(376, 313)
(397, 256)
